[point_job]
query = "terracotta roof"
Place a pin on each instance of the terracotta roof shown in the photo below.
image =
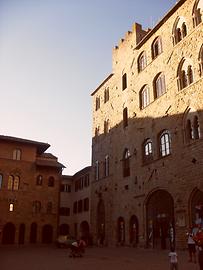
(41, 147)
(48, 155)
(83, 171)
(49, 163)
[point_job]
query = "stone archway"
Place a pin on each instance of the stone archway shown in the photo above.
(100, 222)
(121, 231)
(33, 233)
(160, 220)
(133, 231)
(21, 238)
(8, 236)
(47, 234)
(85, 231)
(196, 207)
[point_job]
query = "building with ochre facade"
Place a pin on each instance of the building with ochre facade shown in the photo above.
(147, 145)
(29, 192)
(74, 212)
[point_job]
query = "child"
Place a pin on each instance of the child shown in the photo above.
(173, 259)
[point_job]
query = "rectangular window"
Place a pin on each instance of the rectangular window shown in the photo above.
(106, 95)
(1, 180)
(97, 103)
(124, 81)
(97, 170)
(125, 117)
(64, 211)
(86, 204)
(75, 208)
(80, 206)
(65, 188)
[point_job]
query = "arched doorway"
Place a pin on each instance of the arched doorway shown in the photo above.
(134, 231)
(121, 231)
(64, 229)
(196, 207)
(101, 222)
(8, 236)
(84, 230)
(160, 220)
(21, 238)
(47, 234)
(33, 233)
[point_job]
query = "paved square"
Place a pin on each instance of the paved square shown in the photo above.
(51, 258)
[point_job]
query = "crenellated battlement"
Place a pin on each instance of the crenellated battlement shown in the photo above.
(137, 31)
(128, 42)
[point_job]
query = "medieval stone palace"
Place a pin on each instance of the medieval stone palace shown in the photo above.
(147, 134)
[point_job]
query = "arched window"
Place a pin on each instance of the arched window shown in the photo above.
(184, 30)
(36, 207)
(16, 182)
(51, 181)
(200, 59)
(106, 95)
(17, 154)
(39, 180)
(144, 97)
(159, 85)
(191, 125)
(179, 30)
(13, 182)
(126, 163)
(142, 61)
(106, 166)
(10, 182)
(147, 151)
(156, 47)
(196, 128)
(165, 143)
(197, 12)
(185, 74)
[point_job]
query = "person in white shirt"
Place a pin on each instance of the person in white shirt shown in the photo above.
(173, 259)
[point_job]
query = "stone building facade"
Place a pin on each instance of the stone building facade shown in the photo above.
(147, 134)
(29, 192)
(74, 212)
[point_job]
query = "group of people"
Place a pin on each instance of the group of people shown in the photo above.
(195, 246)
(195, 243)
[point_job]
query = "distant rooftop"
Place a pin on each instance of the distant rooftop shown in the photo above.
(41, 147)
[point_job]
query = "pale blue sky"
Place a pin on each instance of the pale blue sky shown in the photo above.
(53, 54)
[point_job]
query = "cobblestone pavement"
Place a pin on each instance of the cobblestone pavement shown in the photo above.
(121, 258)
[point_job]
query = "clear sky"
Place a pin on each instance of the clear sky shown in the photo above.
(53, 55)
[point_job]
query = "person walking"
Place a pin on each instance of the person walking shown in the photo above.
(191, 246)
(173, 259)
